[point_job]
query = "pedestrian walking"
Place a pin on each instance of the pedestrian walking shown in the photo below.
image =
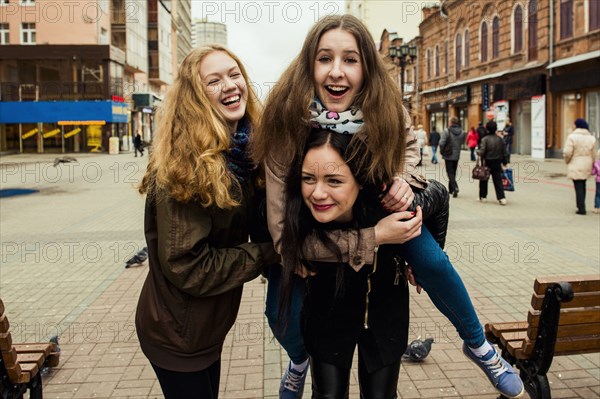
(596, 172)
(509, 132)
(492, 152)
(579, 154)
(472, 142)
(450, 146)
(434, 141)
(491, 126)
(138, 145)
(481, 133)
(421, 141)
(200, 186)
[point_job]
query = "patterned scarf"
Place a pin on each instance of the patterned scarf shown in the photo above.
(238, 161)
(347, 122)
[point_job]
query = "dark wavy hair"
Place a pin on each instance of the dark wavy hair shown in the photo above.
(299, 222)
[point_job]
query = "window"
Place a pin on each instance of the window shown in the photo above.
(437, 60)
(496, 37)
(4, 34)
(428, 63)
(518, 29)
(458, 52)
(27, 33)
(446, 69)
(27, 2)
(532, 30)
(483, 42)
(467, 51)
(594, 10)
(566, 19)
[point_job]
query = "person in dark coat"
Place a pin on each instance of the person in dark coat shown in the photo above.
(493, 152)
(509, 132)
(137, 145)
(481, 132)
(434, 141)
(454, 137)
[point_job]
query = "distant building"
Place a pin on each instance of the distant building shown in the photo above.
(72, 75)
(204, 32)
(503, 56)
(400, 15)
(182, 27)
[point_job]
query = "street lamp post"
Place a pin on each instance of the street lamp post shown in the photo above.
(405, 54)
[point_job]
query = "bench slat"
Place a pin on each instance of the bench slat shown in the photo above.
(28, 370)
(578, 283)
(576, 330)
(15, 373)
(37, 358)
(581, 299)
(33, 348)
(9, 357)
(5, 341)
(568, 346)
(570, 316)
(4, 324)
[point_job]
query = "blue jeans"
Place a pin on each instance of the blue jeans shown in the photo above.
(434, 151)
(291, 338)
(473, 158)
(433, 271)
(597, 197)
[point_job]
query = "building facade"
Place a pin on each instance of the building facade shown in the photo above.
(529, 60)
(74, 74)
(204, 32)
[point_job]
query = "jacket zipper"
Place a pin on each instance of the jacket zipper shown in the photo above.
(366, 325)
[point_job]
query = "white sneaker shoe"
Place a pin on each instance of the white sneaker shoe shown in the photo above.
(503, 201)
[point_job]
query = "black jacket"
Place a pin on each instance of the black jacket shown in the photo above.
(434, 138)
(492, 148)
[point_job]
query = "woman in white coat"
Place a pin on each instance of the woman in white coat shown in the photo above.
(579, 155)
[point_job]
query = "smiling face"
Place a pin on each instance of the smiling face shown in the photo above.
(225, 86)
(329, 189)
(338, 70)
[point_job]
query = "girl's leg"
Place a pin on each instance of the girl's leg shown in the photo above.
(291, 339)
(197, 384)
(329, 381)
(434, 272)
(597, 197)
(380, 384)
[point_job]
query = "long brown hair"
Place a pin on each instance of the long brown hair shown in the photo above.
(285, 123)
(187, 160)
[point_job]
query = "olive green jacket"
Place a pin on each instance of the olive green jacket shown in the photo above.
(199, 259)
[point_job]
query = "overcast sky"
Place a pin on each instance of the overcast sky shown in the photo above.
(267, 35)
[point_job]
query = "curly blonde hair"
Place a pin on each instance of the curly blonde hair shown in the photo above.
(285, 123)
(187, 161)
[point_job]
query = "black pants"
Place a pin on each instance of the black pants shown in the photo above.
(580, 194)
(332, 382)
(451, 167)
(140, 149)
(197, 384)
(495, 166)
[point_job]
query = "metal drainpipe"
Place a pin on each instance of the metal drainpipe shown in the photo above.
(550, 61)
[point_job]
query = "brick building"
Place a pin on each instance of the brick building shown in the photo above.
(477, 56)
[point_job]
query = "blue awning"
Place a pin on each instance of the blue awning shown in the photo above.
(55, 111)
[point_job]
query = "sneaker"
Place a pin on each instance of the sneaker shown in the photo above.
(292, 383)
(501, 374)
(503, 201)
(482, 199)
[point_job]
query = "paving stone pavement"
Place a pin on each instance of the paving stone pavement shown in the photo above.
(62, 273)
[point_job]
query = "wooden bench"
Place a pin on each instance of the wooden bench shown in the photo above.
(21, 364)
(564, 319)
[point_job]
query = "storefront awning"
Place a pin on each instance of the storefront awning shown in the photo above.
(572, 60)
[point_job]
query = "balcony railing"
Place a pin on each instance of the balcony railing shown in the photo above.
(60, 91)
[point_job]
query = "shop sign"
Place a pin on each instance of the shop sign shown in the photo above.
(485, 96)
(501, 112)
(459, 95)
(538, 126)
